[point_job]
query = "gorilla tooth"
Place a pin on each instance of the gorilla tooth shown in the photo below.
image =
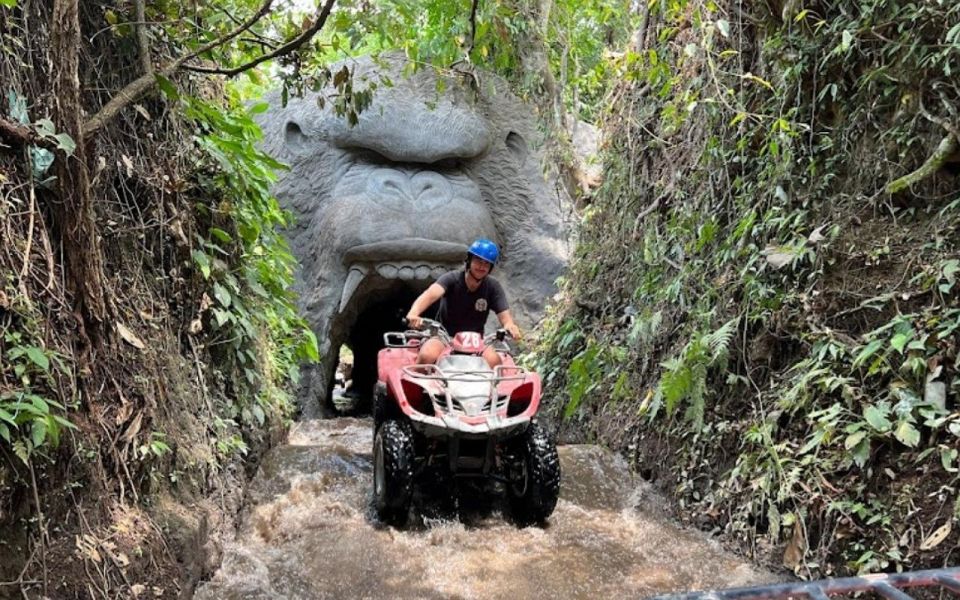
(357, 273)
(387, 271)
(406, 273)
(423, 271)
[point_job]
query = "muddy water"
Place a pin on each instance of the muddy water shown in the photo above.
(310, 533)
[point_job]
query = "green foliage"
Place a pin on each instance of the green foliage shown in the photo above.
(745, 173)
(575, 39)
(247, 264)
(29, 419)
(685, 375)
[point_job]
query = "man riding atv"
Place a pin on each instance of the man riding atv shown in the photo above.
(468, 296)
(456, 408)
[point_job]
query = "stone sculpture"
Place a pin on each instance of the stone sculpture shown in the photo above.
(384, 207)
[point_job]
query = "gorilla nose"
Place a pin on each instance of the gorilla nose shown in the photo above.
(401, 190)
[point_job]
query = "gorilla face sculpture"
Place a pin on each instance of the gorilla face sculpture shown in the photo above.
(386, 206)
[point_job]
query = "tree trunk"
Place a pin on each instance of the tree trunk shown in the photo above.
(75, 213)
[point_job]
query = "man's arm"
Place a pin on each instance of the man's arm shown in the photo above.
(506, 319)
(422, 303)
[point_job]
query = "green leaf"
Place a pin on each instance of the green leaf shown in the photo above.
(8, 4)
(17, 106)
(22, 452)
(41, 161)
(65, 143)
(947, 457)
(222, 295)
(45, 127)
(952, 36)
(899, 341)
(221, 235)
(37, 356)
(861, 454)
(38, 433)
(53, 430)
(724, 27)
(847, 40)
(907, 434)
(310, 347)
(877, 419)
(203, 261)
(42, 406)
(4, 430)
(868, 351)
(854, 439)
(814, 441)
(167, 87)
(221, 316)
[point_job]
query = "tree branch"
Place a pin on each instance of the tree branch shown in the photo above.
(473, 27)
(142, 40)
(946, 147)
(287, 48)
(144, 83)
(22, 135)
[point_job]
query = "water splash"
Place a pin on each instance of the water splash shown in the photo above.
(309, 532)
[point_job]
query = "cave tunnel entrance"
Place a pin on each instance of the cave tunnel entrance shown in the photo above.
(382, 311)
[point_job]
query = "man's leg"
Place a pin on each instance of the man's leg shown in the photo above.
(430, 351)
(493, 359)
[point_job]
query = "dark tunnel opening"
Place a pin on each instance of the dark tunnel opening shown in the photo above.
(381, 312)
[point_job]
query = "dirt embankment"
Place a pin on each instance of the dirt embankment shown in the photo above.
(125, 442)
(761, 315)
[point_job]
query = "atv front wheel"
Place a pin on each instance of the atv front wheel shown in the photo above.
(534, 476)
(382, 408)
(393, 471)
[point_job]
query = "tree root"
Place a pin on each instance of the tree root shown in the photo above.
(947, 146)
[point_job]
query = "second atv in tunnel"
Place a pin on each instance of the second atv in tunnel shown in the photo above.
(459, 419)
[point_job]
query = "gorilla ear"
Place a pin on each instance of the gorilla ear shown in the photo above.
(518, 147)
(296, 141)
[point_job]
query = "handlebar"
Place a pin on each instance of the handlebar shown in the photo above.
(431, 328)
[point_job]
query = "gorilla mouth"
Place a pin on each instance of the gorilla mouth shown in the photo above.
(413, 260)
(382, 281)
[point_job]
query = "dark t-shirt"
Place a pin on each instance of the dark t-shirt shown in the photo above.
(463, 310)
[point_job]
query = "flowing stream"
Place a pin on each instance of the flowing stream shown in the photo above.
(309, 532)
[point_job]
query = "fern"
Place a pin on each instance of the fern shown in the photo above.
(697, 396)
(675, 382)
(719, 340)
(685, 375)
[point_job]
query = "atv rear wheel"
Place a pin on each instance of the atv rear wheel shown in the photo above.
(393, 471)
(534, 476)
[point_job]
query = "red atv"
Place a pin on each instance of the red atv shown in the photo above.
(463, 419)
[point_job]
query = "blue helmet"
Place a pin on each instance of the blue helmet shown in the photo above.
(484, 249)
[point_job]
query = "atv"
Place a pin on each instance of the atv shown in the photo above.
(459, 419)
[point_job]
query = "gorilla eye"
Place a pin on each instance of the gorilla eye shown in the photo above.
(373, 157)
(447, 164)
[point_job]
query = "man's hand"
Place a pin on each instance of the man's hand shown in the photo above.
(514, 331)
(414, 321)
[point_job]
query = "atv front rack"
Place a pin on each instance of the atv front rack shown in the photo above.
(433, 372)
(880, 585)
(441, 395)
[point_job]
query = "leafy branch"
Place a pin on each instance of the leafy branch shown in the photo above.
(148, 81)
